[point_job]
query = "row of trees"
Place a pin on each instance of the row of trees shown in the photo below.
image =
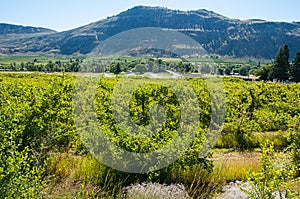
(138, 65)
(50, 66)
(282, 69)
(113, 66)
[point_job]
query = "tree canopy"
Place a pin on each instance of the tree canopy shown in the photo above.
(280, 69)
(296, 68)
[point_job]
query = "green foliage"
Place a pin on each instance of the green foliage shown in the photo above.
(36, 119)
(263, 72)
(139, 65)
(40, 63)
(296, 68)
(275, 177)
(281, 69)
(296, 153)
(141, 110)
(140, 68)
(257, 107)
(281, 66)
(243, 71)
(294, 133)
(116, 69)
(227, 71)
(21, 173)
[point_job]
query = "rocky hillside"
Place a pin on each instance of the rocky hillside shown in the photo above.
(15, 29)
(218, 34)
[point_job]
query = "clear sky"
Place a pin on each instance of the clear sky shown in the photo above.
(67, 14)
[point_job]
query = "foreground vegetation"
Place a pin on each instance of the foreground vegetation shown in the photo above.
(41, 151)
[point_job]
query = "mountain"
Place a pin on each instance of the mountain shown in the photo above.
(216, 33)
(14, 38)
(15, 29)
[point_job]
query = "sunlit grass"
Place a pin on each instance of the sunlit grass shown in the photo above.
(234, 166)
(228, 166)
(278, 138)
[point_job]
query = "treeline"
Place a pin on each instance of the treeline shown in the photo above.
(238, 69)
(137, 65)
(282, 70)
(73, 65)
(102, 65)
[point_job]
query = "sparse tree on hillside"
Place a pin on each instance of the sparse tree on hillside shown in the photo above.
(281, 65)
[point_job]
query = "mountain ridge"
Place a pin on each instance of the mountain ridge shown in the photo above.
(218, 34)
(6, 28)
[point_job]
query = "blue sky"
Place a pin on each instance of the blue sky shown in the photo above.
(67, 14)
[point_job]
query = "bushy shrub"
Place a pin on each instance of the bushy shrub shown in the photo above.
(276, 177)
(21, 173)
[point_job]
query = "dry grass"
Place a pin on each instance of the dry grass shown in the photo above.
(228, 167)
(232, 166)
(78, 177)
(67, 188)
(75, 171)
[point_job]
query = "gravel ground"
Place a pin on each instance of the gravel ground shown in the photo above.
(178, 191)
(232, 190)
